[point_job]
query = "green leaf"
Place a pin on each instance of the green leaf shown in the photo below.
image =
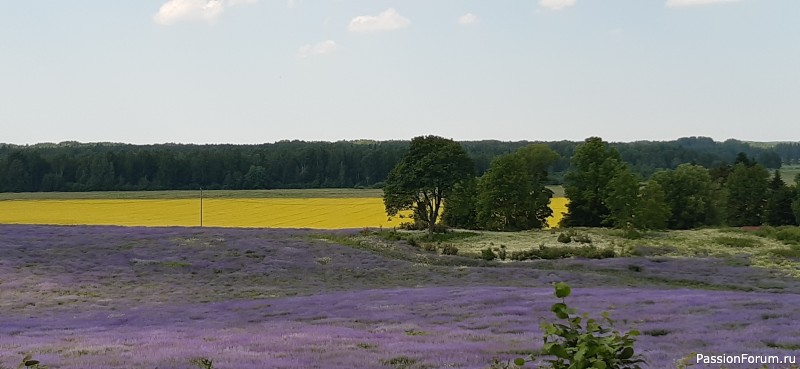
(626, 353)
(519, 361)
(558, 351)
(580, 354)
(599, 365)
(562, 290)
(560, 309)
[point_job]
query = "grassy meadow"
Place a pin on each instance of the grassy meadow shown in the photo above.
(789, 173)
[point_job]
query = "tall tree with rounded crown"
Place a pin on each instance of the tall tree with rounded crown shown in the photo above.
(586, 184)
(425, 177)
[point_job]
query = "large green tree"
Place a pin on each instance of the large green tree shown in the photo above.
(779, 205)
(622, 198)
(425, 177)
(512, 195)
(652, 211)
(747, 188)
(586, 184)
(796, 202)
(690, 194)
(460, 210)
(636, 204)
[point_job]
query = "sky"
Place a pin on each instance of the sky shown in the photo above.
(257, 71)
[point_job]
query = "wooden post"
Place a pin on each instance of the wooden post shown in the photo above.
(201, 207)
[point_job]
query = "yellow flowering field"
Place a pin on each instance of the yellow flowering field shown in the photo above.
(320, 213)
(559, 206)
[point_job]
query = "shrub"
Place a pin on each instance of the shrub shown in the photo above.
(419, 226)
(581, 238)
(573, 235)
(487, 254)
(787, 234)
(203, 363)
(563, 252)
(325, 260)
(502, 253)
(578, 341)
(449, 249)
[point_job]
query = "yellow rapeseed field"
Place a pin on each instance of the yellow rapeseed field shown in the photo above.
(319, 213)
(559, 206)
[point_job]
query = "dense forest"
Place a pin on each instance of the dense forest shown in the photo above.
(73, 166)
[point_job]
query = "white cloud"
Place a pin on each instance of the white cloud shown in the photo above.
(388, 20)
(468, 19)
(679, 3)
(174, 11)
(556, 4)
(322, 48)
(292, 3)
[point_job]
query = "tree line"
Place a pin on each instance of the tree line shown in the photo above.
(789, 152)
(73, 166)
(602, 189)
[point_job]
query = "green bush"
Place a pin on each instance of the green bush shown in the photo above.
(563, 252)
(573, 235)
(581, 238)
(576, 341)
(789, 235)
(203, 363)
(487, 254)
(449, 249)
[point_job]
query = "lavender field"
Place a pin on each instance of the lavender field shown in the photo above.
(115, 297)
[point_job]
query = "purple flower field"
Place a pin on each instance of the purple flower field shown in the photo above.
(114, 297)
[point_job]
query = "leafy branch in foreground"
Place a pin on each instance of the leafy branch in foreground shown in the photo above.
(581, 342)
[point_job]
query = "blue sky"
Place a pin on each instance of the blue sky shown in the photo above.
(253, 71)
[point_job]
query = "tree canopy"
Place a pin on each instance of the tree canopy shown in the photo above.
(586, 184)
(747, 194)
(425, 177)
(512, 195)
(73, 166)
(690, 194)
(779, 205)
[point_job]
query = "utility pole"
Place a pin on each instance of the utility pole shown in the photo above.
(201, 207)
